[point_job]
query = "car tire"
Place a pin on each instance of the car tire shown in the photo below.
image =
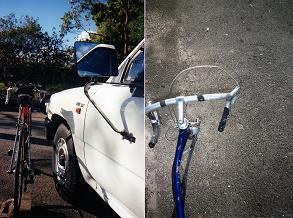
(66, 172)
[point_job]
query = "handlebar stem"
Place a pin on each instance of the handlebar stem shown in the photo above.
(180, 110)
(182, 122)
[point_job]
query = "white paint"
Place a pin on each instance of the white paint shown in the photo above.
(112, 166)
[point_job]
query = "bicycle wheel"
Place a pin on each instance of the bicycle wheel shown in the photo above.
(18, 175)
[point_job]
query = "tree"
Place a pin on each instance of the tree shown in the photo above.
(120, 22)
(25, 49)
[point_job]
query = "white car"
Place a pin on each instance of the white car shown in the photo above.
(99, 139)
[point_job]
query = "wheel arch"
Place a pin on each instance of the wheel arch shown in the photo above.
(52, 127)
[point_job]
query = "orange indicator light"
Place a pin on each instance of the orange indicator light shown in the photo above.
(78, 110)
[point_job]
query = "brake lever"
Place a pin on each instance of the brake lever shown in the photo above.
(153, 116)
(223, 120)
(226, 112)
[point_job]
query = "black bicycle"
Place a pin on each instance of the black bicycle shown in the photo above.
(21, 161)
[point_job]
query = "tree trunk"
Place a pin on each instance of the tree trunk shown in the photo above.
(125, 29)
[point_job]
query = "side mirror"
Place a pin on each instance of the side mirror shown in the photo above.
(95, 60)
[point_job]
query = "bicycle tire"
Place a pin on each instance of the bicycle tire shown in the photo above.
(18, 176)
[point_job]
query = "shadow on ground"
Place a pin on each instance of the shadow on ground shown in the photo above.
(93, 204)
(34, 140)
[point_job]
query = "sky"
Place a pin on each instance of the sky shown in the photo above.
(48, 12)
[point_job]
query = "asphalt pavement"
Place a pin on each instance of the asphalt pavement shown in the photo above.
(246, 171)
(45, 200)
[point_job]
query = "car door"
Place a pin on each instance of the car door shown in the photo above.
(116, 164)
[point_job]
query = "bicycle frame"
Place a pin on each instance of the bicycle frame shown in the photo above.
(185, 129)
(21, 161)
(176, 181)
(24, 118)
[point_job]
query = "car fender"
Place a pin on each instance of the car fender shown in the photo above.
(69, 106)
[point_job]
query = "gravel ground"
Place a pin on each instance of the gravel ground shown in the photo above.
(247, 171)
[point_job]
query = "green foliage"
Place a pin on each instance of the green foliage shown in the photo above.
(2, 87)
(74, 18)
(26, 50)
(120, 22)
(136, 29)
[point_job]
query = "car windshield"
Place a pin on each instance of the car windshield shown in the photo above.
(136, 69)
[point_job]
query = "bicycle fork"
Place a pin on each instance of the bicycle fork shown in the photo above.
(178, 192)
(176, 181)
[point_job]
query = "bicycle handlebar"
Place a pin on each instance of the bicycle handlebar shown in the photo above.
(23, 89)
(187, 99)
(223, 120)
(150, 109)
(226, 112)
(155, 124)
(9, 91)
